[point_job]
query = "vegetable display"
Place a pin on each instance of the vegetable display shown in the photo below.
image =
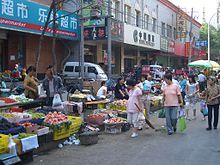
(24, 135)
(36, 115)
(120, 105)
(55, 118)
(8, 115)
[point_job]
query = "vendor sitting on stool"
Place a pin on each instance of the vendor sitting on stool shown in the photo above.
(52, 84)
(102, 92)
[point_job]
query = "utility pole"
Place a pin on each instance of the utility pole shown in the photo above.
(81, 63)
(109, 24)
(190, 37)
(54, 37)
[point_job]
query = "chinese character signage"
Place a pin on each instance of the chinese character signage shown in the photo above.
(181, 26)
(26, 16)
(94, 11)
(95, 33)
(201, 43)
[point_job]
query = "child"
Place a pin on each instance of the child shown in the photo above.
(133, 106)
(203, 108)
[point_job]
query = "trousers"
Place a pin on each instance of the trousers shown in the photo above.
(216, 113)
(171, 118)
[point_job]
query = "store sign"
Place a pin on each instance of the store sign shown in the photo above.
(26, 16)
(181, 25)
(117, 31)
(139, 37)
(95, 33)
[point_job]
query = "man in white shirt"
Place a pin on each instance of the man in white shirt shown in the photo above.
(202, 81)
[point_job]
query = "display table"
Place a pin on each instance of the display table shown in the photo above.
(91, 105)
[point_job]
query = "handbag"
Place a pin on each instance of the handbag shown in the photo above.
(182, 123)
(205, 110)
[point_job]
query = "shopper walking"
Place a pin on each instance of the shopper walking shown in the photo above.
(202, 81)
(182, 83)
(212, 95)
(134, 106)
(172, 99)
(192, 89)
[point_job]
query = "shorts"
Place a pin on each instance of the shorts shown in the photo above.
(132, 118)
(190, 105)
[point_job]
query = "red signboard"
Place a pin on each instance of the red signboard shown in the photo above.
(179, 49)
(145, 70)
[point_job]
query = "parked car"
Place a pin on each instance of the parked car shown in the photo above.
(91, 71)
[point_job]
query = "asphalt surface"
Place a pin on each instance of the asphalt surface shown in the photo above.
(195, 146)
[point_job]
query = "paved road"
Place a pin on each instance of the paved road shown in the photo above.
(196, 146)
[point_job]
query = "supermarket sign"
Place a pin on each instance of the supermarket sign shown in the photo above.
(26, 16)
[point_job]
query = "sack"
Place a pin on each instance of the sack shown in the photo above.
(57, 101)
(141, 116)
(162, 114)
(182, 123)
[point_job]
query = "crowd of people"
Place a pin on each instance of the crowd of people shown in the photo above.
(185, 91)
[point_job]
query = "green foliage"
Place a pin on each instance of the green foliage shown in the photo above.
(214, 39)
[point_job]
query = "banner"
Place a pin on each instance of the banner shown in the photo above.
(26, 16)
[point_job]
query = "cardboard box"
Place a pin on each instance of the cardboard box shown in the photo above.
(42, 131)
(32, 130)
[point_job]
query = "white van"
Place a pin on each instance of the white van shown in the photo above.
(91, 71)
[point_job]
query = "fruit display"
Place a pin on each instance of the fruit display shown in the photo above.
(27, 124)
(114, 120)
(24, 135)
(97, 119)
(55, 118)
(8, 100)
(120, 105)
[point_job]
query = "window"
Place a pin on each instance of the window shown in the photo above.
(146, 21)
(127, 14)
(117, 10)
(169, 31)
(77, 69)
(92, 70)
(154, 24)
(137, 18)
(163, 29)
(69, 69)
(174, 33)
(149, 37)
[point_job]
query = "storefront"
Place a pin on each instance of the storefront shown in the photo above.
(23, 23)
(140, 46)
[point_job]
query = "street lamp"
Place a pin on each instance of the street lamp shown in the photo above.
(209, 35)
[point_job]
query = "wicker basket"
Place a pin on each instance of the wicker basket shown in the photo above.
(88, 138)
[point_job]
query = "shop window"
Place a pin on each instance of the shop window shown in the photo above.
(127, 14)
(146, 21)
(69, 68)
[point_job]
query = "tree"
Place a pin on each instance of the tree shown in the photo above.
(214, 40)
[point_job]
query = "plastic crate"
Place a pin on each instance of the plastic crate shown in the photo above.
(4, 139)
(113, 128)
(61, 133)
(76, 123)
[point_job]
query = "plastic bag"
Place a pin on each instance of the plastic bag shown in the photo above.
(182, 123)
(205, 111)
(57, 100)
(141, 116)
(162, 114)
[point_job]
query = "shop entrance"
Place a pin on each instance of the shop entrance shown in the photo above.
(3, 59)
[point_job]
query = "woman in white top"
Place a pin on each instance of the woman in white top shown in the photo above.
(102, 92)
(192, 89)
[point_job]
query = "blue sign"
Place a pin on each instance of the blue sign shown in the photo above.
(26, 16)
(201, 43)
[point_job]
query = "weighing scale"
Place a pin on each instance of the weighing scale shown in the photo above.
(8, 159)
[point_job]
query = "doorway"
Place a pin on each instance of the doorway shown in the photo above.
(3, 59)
